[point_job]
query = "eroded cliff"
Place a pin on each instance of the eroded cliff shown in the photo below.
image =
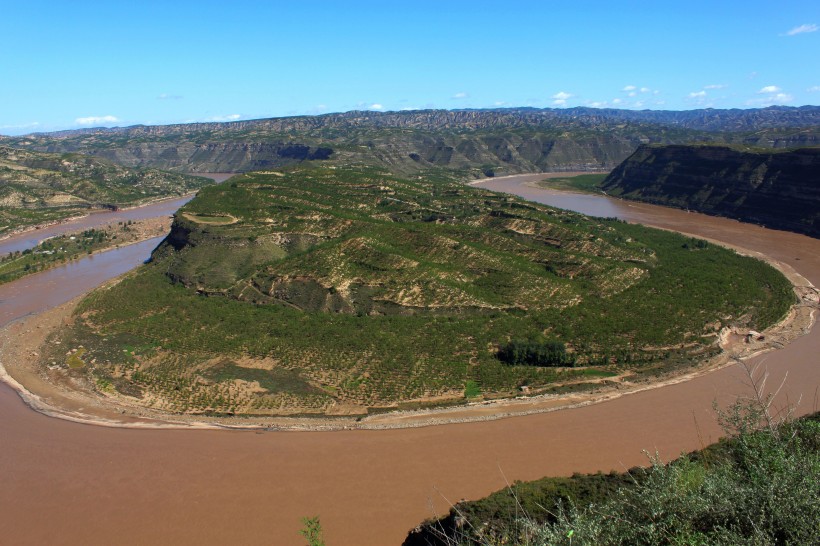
(775, 189)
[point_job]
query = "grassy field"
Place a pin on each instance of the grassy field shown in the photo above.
(352, 287)
(587, 183)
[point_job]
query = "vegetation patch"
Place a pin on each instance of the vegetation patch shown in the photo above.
(275, 380)
(38, 187)
(588, 183)
(756, 487)
(62, 249)
(535, 353)
(74, 360)
(372, 290)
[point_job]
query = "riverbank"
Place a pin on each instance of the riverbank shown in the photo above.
(91, 212)
(110, 236)
(59, 393)
(29, 236)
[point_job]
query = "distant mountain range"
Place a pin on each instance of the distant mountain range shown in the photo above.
(477, 142)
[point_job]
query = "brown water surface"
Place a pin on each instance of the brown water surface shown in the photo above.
(68, 483)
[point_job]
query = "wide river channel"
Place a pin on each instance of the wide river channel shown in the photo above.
(67, 483)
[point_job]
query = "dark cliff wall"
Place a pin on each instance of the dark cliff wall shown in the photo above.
(499, 154)
(778, 190)
(212, 156)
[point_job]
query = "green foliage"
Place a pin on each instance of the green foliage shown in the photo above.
(312, 531)
(471, 389)
(588, 183)
(40, 187)
(766, 492)
(759, 486)
(535, 353)
(360, 287)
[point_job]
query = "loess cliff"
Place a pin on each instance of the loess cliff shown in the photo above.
(776, 189)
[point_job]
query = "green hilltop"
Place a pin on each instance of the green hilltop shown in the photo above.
(323, 289)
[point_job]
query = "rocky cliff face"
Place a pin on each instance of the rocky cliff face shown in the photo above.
(775, 189)
(216, 157)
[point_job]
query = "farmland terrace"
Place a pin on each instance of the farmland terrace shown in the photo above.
(325, 290)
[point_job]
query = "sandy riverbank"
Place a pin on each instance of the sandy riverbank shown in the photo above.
(536, 177)
(91, 212)
(57, 393)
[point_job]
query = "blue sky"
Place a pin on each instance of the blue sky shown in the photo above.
(66, 65)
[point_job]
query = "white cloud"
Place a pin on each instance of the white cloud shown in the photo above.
(645, 90)
(23, 126)
(716, 86)
(499, 103)
(376, 106)
(95, 120)
(461, 95)
(802, 29)
(166, 96)
(813, 89)
(631, 94)
(629, 88)
(769, 89)
(598, 104)
(616, 101)
(771, 100)
(229, 117)
(560, 98)
(697, 94)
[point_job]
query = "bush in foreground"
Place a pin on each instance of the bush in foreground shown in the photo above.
(760, 485)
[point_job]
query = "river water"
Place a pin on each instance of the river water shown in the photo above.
(69, 483)
(166, 207)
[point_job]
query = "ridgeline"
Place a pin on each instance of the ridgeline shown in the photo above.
(475, 143)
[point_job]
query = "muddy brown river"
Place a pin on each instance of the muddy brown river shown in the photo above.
(166, 207)
(67, 483)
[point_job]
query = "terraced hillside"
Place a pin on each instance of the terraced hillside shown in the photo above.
(477, 142)
(38, 187)
(347, 290)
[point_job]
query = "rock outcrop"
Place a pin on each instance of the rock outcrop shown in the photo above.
(776, 189)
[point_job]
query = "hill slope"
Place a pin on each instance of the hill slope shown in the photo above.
(37, 187)
(775, 189)
(480, 142)
(331, 290)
